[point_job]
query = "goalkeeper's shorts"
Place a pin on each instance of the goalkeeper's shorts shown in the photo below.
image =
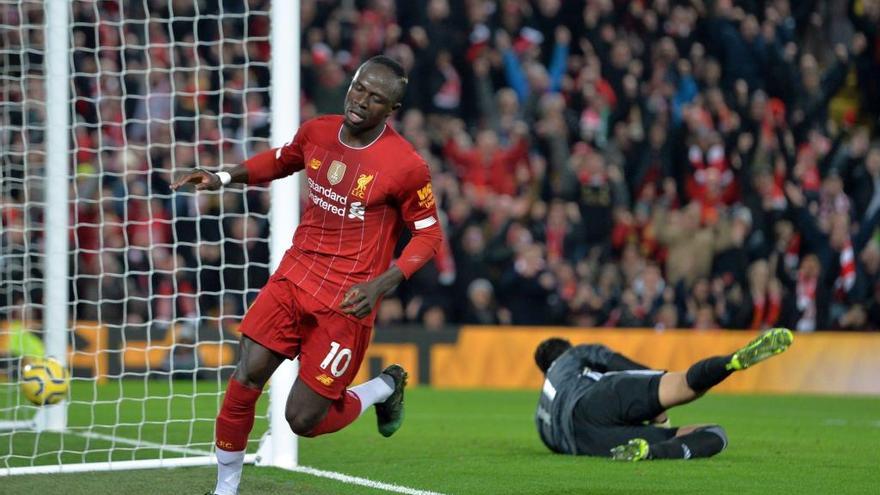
(291, 322)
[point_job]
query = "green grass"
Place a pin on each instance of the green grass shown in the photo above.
(158, 411)
(484, 442)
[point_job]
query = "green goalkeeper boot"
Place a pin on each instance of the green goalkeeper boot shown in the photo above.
(768, 344)
(389, 414)
(635, 450)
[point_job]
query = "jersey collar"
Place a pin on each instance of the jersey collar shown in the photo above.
(339, 137)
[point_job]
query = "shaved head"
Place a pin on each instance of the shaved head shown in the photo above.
(375, 93)
(396, 72)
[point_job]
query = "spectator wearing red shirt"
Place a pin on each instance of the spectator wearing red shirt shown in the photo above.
(487, 166)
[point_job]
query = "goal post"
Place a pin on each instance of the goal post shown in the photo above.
(136, 289)
(56, 307)
(280, 448)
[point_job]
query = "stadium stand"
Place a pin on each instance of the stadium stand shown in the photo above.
(599, 163)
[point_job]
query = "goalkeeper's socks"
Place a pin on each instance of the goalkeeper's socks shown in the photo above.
(229, 466)
(374, 391)
(703, 442)
(707, 373)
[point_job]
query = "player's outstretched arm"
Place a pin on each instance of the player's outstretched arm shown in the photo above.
(263, 167)
(602, 359)
(205, 180)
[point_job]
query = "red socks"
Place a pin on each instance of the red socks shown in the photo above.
(236, 418)
(342, 413)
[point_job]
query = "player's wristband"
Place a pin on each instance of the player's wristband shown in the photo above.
(225, 177)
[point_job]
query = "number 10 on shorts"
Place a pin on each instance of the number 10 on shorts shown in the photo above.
(337, 359)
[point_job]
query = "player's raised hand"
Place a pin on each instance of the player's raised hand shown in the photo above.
(360, 299)
(202, 179)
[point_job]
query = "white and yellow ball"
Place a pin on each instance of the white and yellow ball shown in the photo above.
(44, 381)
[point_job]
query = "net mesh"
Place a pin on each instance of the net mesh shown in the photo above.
(158, 280)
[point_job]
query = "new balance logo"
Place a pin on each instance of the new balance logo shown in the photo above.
(357, 210)
(324, 379)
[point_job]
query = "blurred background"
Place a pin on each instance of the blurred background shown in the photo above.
(632, 164)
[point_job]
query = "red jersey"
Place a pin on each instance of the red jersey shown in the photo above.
(359, 199)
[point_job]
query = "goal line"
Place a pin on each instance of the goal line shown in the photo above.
(136, 290)
(198, 458)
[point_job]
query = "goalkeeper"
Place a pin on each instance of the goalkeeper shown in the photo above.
(598, 402)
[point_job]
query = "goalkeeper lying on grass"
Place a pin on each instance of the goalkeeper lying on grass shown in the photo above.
(598, 402)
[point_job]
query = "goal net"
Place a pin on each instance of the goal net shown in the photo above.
(156, 281)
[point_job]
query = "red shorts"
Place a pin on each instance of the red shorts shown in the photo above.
(286, 319)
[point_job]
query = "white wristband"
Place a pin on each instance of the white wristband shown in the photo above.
(225, 177)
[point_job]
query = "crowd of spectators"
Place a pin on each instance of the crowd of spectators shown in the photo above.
(662, 164)
(157, 87)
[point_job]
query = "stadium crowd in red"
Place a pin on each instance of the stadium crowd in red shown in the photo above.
(705, 164)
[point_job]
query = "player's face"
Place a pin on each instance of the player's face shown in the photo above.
(370, 98)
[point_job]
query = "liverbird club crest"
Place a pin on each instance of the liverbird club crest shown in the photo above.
(361, 187)
(335, 172)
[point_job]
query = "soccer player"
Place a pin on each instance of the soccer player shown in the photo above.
(600, 403)
(365, 183)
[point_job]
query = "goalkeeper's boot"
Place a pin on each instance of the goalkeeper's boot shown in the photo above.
(768, 344)
(389, 414)
(635, 450)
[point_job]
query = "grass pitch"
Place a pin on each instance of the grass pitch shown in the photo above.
(473, 442)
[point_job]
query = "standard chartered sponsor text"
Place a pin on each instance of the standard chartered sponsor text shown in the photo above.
(318, 193)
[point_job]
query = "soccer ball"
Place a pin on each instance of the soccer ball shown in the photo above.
(44, 381)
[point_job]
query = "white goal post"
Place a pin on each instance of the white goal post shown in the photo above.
(280, 450)
(135, 289)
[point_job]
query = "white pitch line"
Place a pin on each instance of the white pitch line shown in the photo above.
(354, 480)
(835, 422)
(333, 475)
(141, 443)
